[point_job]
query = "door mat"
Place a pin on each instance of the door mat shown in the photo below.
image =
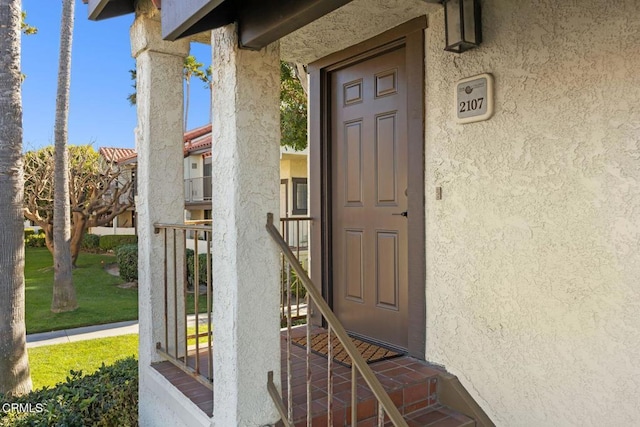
(370, 352)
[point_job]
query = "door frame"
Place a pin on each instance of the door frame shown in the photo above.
(411, 35)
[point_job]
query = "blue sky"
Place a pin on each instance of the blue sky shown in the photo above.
(100, 83)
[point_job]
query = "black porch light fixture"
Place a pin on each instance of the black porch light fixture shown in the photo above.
(462, 23)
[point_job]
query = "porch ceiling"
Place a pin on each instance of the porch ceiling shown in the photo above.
(334, 25)
(104, 9)
(260, 22)
(357, 21)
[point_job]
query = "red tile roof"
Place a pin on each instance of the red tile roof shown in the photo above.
(116, 154)
(197, 132)
(195, 141)
(198, 140)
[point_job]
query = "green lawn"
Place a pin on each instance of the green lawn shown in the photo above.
(51, 364)
(100, 300)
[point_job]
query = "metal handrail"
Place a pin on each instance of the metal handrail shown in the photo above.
(275, 395)
(356, 358)
(175, 288)
(195, 227)
(295, 218)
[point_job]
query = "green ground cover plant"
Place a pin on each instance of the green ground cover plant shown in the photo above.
(100, 300)
(108, 397)
(110, 242)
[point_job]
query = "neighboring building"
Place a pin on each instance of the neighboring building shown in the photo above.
(197, 173)
(293, 183)
(197, 179)
(125, 223)
(505, 251)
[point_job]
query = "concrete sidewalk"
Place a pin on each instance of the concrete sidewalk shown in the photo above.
(93, 332)
(82, 334)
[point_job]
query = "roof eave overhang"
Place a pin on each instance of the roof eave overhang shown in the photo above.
(263, 22)
(260, 22)
(104, 9)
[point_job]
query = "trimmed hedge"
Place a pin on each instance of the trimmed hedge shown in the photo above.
(35, 241)
(127, 258)
(90, 242)
(111, 241)
(109, 397)
(202, 268)
(28, 232)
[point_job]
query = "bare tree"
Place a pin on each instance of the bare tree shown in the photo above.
(98, 192)
(14, 363)
(64, 293)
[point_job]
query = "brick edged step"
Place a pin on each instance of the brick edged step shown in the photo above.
(438, 416)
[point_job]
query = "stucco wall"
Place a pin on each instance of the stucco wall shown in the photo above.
(293, 168)
(353, 23)
(245, 176)
(164, 405)
(533, 293)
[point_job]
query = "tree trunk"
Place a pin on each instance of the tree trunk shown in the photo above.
(79, 228)
(64, 294)
(186, 104)
(301, 74)
(14, 363)
(48, 236)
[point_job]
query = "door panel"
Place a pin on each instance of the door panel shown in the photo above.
(369, 190)
(353, 277)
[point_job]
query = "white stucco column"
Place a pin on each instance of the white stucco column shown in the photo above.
(245, 164)
(160, 166)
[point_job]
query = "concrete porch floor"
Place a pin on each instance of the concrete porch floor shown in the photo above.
(411, 384)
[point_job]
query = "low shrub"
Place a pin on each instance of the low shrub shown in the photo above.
(112, 241)
(28, 232)
(35, 241)
(127, 257)
(295, 284)
(202, 267)
(109, 397)
(90, 242)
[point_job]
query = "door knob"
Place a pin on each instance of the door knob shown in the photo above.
(405, 213)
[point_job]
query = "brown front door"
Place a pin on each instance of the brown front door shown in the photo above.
(368, 106)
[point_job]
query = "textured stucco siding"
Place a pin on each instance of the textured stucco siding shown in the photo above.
(160, 199)
(353, 23)
(293, 168)
(245, 169)
(533, 287)
(162, 404)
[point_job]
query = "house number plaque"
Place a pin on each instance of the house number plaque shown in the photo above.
(474, 98)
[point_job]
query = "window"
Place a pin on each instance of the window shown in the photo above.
(299, 196)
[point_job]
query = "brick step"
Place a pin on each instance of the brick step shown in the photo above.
(432, 416)
(438, 416)
(411, 385)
